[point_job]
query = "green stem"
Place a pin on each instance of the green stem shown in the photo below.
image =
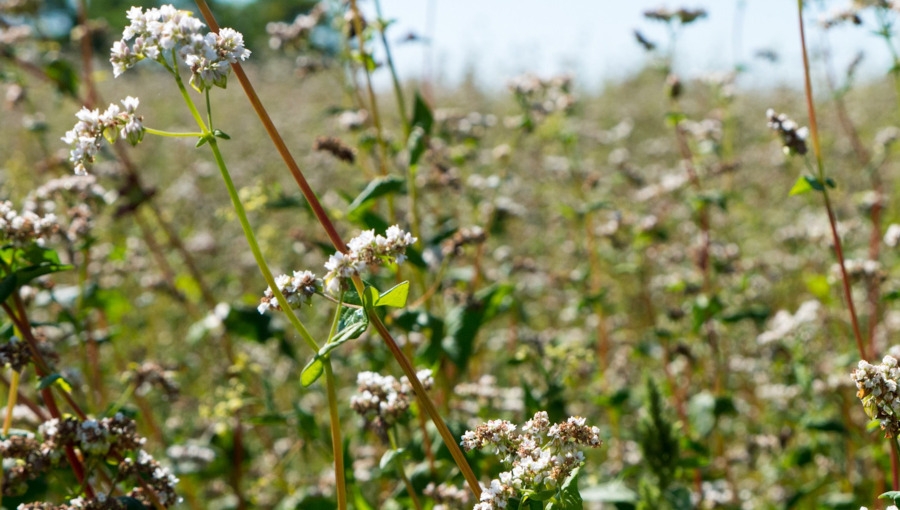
(257, 252)
(245, 222)
(398, 90)
(402, 472)
(337, 445)
(160, 132)
(817, 150)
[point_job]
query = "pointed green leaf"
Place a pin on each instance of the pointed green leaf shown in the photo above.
(353, 323)
(416, 145)
(51, 379)
(422, 116)
(895, 495)
(218, 133)
(390, 457)
(395, 296)
(377, 188)
(801, 186)
(7, 287)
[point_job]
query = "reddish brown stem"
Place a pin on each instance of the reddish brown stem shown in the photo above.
(817, 150)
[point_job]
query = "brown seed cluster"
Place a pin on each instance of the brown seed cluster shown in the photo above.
(336, 147)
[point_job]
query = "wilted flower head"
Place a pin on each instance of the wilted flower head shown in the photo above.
(171, 36)
(792, 136)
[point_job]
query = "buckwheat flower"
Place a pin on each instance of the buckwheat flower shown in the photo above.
(92, 126)
(792, 136)
(540, 457)
(172, 37)
(877, 385)
(297, 290)
(25, 227)
(892, 235)
(366, 249)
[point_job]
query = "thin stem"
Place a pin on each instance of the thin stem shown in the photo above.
(257, 252)
(817, 150)
(402, 472)
(398, 90)
(171, 134)
(895, 464)
(11, 401)
(337, 445)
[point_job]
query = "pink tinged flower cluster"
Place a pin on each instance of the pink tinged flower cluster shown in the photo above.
(297, 290)
(170, 36)
(540, 457)
(877, 389)
(92, 126)
(366, 249)
(382, 399)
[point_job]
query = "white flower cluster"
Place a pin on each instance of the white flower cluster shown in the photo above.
(111, 124)
(366, 249)
(540, 457)
(892, 235)
(792, 136)
(382, 400)
(169, 36)
(297, 289)
(877, 385)
(25, 227)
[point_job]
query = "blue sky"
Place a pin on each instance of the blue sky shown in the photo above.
(594, 39)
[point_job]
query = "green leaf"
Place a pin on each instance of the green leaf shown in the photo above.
(541, 496)
(49, 380)
(570, 498)
(464, 321)
(395, 296)
(390, 457)
(801, 186)
(611, 492)
(248, 323)
(416, 144)
(7, 287)
(422, 116)
(132, 503)
(349, 328)
(377, 188)
(64, 76)
(201, 141)
(673, 118)
(312, 371)
(895, 495)
(218, 133)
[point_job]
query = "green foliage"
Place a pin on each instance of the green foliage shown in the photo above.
(659, 441)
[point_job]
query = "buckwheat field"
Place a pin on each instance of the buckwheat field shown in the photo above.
(237, 272)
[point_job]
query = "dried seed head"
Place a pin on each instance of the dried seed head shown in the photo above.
(336, 147)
